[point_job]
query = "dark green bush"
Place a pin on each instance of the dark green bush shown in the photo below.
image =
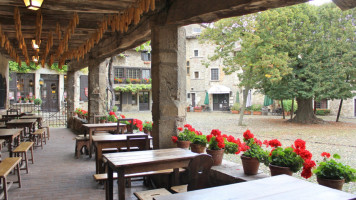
(322, 111)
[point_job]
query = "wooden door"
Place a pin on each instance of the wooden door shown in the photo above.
(220, 102)
(193, 99)
(144, 100)
(49, 93)
(3, 93)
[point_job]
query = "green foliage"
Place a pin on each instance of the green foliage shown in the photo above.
(115, 108)
(200, 139)
(256, 107)
(112, 118)
(330, 169)
(103, 118)
(147, 125)
(186, 135)
(14, 67)
(37, 101)
(287, 105)
(256, 151)
(236, 106)
(133, 87)
(144, 47)
(322, 112)
(286, 157)
(231, 147)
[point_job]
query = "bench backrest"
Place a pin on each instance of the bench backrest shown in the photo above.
(140, 141)
(199, 172)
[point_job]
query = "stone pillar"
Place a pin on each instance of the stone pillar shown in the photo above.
(4, 72)
(72, 93)
(97, 83)
(168, 83)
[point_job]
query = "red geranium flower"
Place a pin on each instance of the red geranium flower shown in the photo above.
(180, 129)
(299, 144)
(248, 135)
(123, 116)
(266, 143)
(174, 139)
(216, 132)
(274, 143)
(208, 137)
(305, 154)
(258, 141)
(325, 154)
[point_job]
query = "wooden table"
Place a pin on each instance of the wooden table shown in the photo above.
(144, 161)
(10, 135)
(275, 187)
(22, 123)
(38, 118)
(108, 141)
(91, 128)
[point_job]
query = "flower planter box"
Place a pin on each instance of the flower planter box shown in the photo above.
(247, 112)
(197, 110)
(188, 109)
(257, 113)
(286, 113)
(235, 111)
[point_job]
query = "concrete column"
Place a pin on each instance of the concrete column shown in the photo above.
(97, 79)
(168, 83)
(72, 92)
(4, 72)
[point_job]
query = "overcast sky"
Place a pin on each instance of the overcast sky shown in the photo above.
(319, 2)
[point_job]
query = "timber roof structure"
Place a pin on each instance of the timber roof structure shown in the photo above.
(75, 30)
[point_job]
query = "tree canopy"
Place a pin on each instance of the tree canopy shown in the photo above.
(301, 52)
(14, 67)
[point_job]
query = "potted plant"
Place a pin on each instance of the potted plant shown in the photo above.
(198, 144)
(184, 136)
(102, 119)
(188, 109)
(218, 144)
(26, 99)
(198, 109)
(247, 111)
(334, 174)
(235, 109)
(253, 153)
(37, 101)
(256, 109)
(290, 159)
(112, 117)
(147, 127)
(137, 125)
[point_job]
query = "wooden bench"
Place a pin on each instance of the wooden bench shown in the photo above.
(45, 126)
(39, 135)
(80, 142)
(6, 166)
(104, 177)
(22, 150)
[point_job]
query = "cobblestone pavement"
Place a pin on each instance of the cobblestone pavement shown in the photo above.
(330, 137)
(56, 174)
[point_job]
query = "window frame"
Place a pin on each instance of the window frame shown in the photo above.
(196, 53)
(211, 74)
(198, 75)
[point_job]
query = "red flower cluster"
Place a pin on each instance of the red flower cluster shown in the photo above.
(215, 132)
(137, 124)
(248, 135)
(221, 142)
(299, 148)
(180, 129)
(122, 116)
(244, 147)
(174, 139)
(325, 154)
(274, 143)
(189, 127)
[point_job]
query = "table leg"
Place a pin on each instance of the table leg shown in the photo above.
(175, 176)
(110, 185)
(10, 147)
(90, 143)
(121, 183)
(98, 159)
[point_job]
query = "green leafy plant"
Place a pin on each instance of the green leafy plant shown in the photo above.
(128, 80)
(256, 107)
(231, 147)
(287, 105)
(38, 101)
(133, 88)
(102, 118)
(200, 139)
(286, 157)
(330, 169)
(115, 108)
(112, 118)
(322, 111)
(236, 107)
(253, 148)
(186, 134)
(148, 125)
(217, 141)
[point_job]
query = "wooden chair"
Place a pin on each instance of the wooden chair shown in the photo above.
(22, 150)
(198, 174)
(39, 136)
(120, 130)
(46, 126)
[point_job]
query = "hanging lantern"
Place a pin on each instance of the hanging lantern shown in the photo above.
(31, 82)
(33, 4)
(41, 81)
(34, 45)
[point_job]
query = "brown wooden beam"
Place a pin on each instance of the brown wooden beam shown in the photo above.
(345, 4)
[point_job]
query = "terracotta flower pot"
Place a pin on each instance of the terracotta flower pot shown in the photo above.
(277, 170)
(197, 148)
(331, 183)
(250, 165)
(247, 112)
(217, 156)
(257, 113)
(183, 144)
(102, 121)
(235, 112)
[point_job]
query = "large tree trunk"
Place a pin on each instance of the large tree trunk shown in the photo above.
(305, 113)
(245, 93)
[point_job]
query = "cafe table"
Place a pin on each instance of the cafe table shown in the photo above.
(22, 123)
(272, 188)
(38, 118)
(144, 161)
(109, 141)
(10, 135)
(91, 128)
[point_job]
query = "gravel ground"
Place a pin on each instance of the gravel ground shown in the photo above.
(330, 137)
